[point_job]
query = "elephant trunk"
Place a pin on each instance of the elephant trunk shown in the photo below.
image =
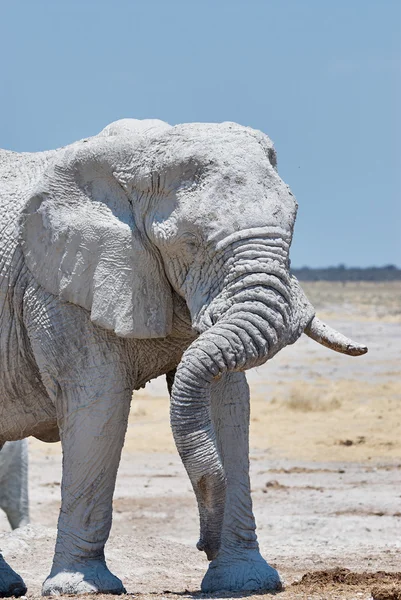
(247, 335)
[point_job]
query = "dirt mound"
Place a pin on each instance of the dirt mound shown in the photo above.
(386, 586)
(341, 575)
(386, 593)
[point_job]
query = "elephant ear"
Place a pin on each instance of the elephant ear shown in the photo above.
(82, 241)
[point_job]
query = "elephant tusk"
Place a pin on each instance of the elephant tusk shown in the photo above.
(329, 337)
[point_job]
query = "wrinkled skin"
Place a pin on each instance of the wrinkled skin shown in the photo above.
(14, 482)
(145, 250)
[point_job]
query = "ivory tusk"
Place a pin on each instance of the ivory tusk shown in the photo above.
(329, 337)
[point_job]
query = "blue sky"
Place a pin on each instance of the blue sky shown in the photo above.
(320, 77)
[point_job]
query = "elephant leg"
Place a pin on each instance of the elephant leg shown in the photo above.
(93, 421)
(239, 565)
(14, 483)
(11, 584)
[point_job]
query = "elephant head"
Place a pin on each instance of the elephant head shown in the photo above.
(123, 221)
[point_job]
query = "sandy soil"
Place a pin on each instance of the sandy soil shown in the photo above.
(326, 471)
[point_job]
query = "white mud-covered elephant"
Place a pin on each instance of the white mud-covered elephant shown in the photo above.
(142, 250)
(14, 482)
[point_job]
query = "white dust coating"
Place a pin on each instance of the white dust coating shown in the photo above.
(142, 250)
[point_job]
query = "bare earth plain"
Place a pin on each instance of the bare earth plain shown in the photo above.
(325, 470)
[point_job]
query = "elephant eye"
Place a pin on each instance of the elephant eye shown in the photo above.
(190, 242)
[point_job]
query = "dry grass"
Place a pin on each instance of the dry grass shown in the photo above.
(329, 420)
(308, 397)
(359, 300)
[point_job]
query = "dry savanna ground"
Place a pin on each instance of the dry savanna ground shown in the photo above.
(325, 467)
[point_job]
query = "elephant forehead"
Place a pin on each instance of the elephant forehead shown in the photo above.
(247, 210)
(235, 199)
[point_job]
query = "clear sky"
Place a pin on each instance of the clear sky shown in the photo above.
(320, 77)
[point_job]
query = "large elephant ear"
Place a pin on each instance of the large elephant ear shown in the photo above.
(83, 243)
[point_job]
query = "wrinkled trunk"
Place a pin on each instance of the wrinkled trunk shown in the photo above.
(250, 331)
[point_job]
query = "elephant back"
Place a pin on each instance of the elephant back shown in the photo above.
(18, 172)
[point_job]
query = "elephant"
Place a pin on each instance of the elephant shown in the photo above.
(14, 482)
(147, 250)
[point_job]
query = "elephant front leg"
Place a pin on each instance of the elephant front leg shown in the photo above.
(92, 428)
(239, 565)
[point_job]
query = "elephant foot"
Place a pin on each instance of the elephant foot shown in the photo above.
(248, 572)
(93, 578)
(11, 584)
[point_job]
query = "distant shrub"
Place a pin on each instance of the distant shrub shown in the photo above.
(343, 273)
